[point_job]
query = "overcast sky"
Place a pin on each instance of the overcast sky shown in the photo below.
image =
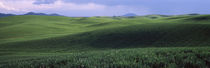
(105, 7)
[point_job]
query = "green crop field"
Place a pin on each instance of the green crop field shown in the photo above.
(152, 41)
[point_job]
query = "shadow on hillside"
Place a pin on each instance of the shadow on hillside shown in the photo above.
(154, 35)
(144, 35)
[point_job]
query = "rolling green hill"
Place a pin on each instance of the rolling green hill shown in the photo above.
(49, 32)
(152, 41)
(21, 28)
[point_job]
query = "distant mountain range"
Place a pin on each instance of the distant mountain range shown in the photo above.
(42, 14)
(54, 14)
(4, 15)
(30, 13)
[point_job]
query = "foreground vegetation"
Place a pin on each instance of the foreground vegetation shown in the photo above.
(180, 57)
(152, 41)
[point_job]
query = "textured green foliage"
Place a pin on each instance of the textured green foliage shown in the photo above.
(153, 41)
(120, 58)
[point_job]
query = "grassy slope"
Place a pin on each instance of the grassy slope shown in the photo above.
(21, 28)
(49, 33)
(51, 41)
